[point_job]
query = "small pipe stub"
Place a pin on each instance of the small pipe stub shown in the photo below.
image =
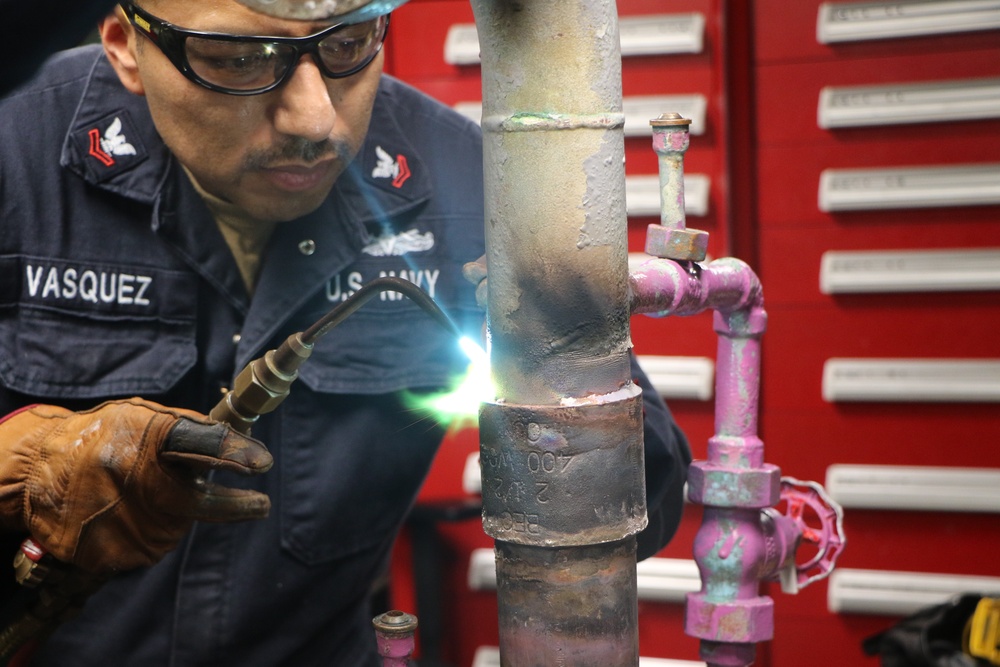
(394, 636)
(671, 239)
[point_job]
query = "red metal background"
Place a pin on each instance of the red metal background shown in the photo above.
(803, 433)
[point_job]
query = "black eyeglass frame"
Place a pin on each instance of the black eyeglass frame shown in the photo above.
(169, 39)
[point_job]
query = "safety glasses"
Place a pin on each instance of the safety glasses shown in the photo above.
(249, 65)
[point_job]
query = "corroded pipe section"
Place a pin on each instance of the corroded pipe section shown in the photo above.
(561, 452)
(671, 139)
(742, 540)
(587, 595)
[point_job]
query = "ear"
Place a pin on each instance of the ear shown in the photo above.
(119, 40)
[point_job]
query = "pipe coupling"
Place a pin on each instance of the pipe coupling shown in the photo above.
(567, 475)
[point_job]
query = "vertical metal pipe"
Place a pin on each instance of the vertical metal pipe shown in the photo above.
(671, 139)
(561, 451)
(567, 606)
(740, 541)
(556, 231)
(738, 371)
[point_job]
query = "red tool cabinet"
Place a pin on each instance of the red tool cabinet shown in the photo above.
(761, 72)
(804, 433)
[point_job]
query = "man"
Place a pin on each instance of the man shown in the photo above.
(174, 204)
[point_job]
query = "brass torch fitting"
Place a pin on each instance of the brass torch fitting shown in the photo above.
(263, 384)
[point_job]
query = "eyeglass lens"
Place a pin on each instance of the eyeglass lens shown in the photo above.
(248, 65)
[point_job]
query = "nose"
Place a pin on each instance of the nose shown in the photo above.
(304, 107)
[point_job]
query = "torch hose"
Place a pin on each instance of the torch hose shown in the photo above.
(369, 291)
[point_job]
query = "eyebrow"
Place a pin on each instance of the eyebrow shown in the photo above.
(226, 28)
(314, 28)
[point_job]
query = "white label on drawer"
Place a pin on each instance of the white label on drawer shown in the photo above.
(657, 34)
(638, 110)
(909, 187)
(924, 488)
(471, 110)
(642, 195)
(906, 380)
(867, 271)
(938, 102)
(680, 377)
(461, 46)
(856, 21)
(489, 656)
(899, 593)
(662, 34)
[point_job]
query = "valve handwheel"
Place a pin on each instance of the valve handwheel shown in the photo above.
(806, 504)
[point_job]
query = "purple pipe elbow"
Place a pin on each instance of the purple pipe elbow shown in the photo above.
(666, 287)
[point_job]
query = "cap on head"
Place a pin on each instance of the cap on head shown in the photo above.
(344, 11)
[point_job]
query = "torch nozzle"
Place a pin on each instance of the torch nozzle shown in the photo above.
(265, 382)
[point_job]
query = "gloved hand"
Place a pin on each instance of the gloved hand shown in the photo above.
(118, 486)
(475, 273)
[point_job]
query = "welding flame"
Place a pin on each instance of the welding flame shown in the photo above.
(459, 406)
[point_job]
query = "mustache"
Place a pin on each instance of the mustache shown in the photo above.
(297, 149)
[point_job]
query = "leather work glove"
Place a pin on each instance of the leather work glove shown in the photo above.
(118, 486)
(475, 273)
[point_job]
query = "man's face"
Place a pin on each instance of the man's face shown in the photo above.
(275, 155)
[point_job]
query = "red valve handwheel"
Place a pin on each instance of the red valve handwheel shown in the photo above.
(827, 537)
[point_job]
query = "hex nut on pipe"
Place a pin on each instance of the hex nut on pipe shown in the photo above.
(679, 244)
(721, 486)
(735, 621)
